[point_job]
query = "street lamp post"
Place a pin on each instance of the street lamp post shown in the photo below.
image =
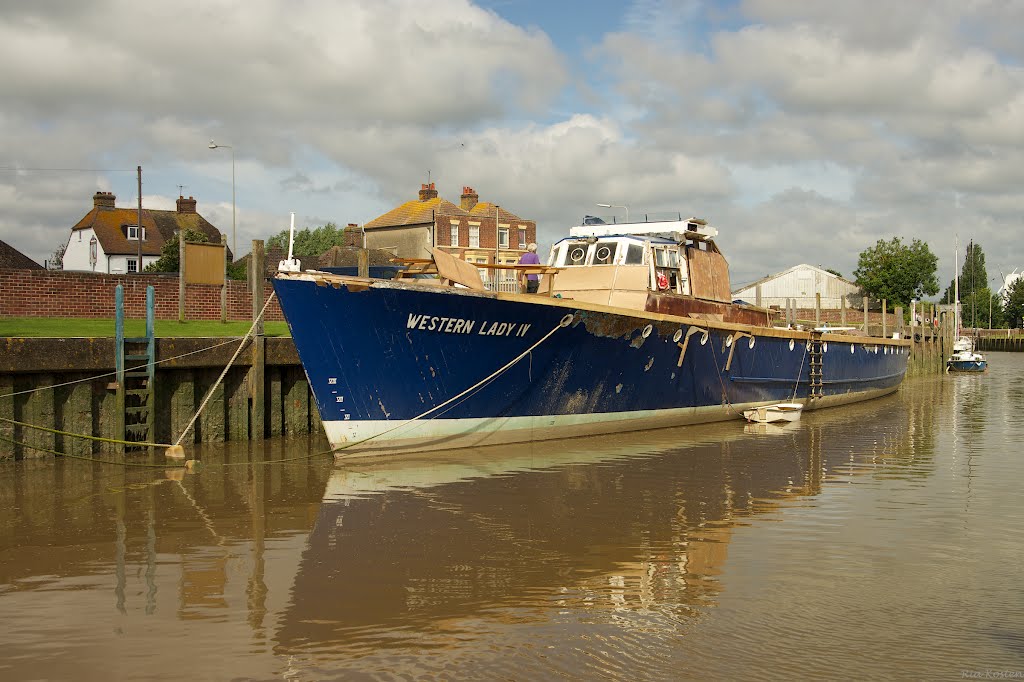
(234, 243)
(617, 206)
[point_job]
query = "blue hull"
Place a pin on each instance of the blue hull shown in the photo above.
(966, 365)
(379, 354)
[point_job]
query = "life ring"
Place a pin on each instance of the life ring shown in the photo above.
(662, 282)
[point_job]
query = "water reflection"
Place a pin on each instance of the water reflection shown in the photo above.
(591, 557)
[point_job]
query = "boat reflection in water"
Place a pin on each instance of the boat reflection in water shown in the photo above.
(522, 563)
(621, 537)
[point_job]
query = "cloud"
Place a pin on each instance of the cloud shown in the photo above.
(816, 126)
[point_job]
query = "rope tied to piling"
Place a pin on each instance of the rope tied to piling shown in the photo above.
(176, 450)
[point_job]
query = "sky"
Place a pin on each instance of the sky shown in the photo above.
(805, 131)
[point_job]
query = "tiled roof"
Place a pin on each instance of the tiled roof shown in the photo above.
(486, 208)
(416, 212)
(109, 226)
(10, 257)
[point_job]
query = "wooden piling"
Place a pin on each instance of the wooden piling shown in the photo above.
(257, 373)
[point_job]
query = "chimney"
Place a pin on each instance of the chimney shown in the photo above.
(469, 198)
(427, 192)
(103, 200)
(186, 205)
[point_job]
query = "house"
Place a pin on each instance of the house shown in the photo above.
(801, 283)
(13, 259)
(108, 238)
(478, 232)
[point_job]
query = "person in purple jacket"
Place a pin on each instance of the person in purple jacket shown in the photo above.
(531, 258)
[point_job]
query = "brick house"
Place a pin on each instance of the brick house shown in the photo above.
(107, 238)
(476, 231)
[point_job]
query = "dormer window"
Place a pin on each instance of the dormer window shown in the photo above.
(134, 232)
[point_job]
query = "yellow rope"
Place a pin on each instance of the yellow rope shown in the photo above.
(82, 435)
(94, 459)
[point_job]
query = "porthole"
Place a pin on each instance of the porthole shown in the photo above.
(852, 348)
(678, 335)
(885, 350)
(750, 344)
(824, 346)
(792, 344)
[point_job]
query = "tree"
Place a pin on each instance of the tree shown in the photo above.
(169, 261)
(897, 272)
(56, 261)
(1013, 309)
(310, 242)
(834, 272)
(973, 275)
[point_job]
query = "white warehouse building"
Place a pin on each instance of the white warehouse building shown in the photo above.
(801, 283)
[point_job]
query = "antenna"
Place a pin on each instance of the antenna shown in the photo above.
(181, 190)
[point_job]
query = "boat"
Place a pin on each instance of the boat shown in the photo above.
(779, 412)
(633, 328)
(963, 358)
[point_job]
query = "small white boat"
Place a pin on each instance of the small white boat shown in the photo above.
(779, 412)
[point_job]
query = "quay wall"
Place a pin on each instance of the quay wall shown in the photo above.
(61, 293)
(69, 385)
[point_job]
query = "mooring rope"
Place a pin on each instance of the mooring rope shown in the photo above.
(145, 465)
(796, 386)
(209, 394)
(85, 437)
(564, 322)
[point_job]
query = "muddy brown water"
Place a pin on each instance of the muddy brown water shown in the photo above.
(880, 540)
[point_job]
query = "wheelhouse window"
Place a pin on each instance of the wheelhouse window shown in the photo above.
(634, 254)
(666, 257)
(604, 253)
(134, 232)
(576, 253)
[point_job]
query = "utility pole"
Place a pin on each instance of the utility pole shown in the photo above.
(138, 267)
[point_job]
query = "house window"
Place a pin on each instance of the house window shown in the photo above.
(454, 239)
(522, 237)
(133, 233)
(133, 265)
(474, 236)
(503, 237)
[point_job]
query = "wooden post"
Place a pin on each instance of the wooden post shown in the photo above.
(757, 295)
(363, 263)
(817, 309)
(900, 326)
(865, 304)
(119, 364)
(223, 286)
(885, 332)
(257, 385)
(842, 311)
(181, 275)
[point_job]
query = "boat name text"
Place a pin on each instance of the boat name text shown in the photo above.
(457, 325)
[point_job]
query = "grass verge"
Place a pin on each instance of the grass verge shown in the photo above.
(82, 327)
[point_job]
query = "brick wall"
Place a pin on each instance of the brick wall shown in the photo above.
(55, 293)
(854, 318)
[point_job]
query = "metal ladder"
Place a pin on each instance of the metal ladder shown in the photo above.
(136, 370)
(817, 372)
